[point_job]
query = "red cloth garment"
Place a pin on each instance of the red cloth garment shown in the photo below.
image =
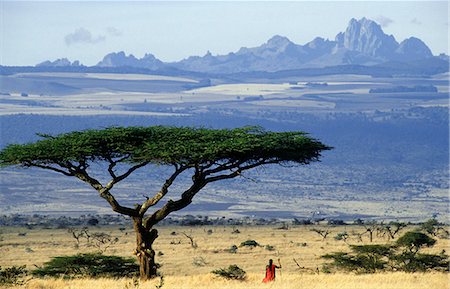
(270, 273)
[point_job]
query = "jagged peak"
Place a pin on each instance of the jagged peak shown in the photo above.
(148, 55)
(278, 40)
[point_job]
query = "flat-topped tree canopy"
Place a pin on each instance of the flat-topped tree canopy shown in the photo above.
(209, 155)
(166, 145)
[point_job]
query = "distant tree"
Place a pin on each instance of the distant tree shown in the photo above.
(363, 259)
(93, 222)
(207, 155)
(323, 233)
(392, 229)
(434, 228)
(411, 260)
(413, 241)
(371, 226)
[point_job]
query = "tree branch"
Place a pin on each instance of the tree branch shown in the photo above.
(66, 173)
(165, 188)
(171, 206)
(105, 194)
(222, 167)
(239, 169)
(117, 179)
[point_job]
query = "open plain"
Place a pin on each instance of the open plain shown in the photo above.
(186, 267)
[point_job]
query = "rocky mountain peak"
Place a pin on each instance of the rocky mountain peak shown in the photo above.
(366, 36)
(412, 49)
(59, 63)
(278, 41)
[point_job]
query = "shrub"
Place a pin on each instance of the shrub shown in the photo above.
(250, 243)
(270, 248)
(199, 262)
(343, 236)
(88, 265)
(12, 275)
(413, 241)
(232, 272)
(233, 249)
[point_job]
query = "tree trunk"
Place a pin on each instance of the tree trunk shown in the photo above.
(144, 250)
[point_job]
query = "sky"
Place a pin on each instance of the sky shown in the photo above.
(32, 32)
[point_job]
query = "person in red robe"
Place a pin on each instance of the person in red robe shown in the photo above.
(270, 271)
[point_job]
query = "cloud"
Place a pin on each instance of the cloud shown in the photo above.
(416, 21)
(384, 21)
(82, 35)
(113, 31)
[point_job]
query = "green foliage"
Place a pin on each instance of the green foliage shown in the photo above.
(232, 272)
(13, 275)
(269, 248)
(363, 259)
(372, 258)
(250, 243)
(233, 249)
(434, 228)
(342, 236)
(165, 145)
(411, 262)
(413, 241)
(430, 226)
(88, 265)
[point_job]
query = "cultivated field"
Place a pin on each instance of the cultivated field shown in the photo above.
(186, 267)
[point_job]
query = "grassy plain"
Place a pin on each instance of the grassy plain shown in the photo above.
(186, 267)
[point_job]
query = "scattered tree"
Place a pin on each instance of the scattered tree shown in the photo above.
(411, 260)
(323, 233)
(371, 227)
(434, 228)
(373, 258)
(413, 241)
(207, 155)
(393, 228)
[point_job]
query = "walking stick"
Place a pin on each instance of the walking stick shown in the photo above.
(279, 263)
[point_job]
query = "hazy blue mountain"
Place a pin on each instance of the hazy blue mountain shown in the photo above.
(413, 49)
(362, 43)
(120, 59)
(367, 37)
(59, 63)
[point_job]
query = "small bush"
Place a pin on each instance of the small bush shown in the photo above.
(233, 249)
(250, 243)
(12, 275)
(88, 265)
(270, 248)
(232, 272)
(199, 262)
(343, 236)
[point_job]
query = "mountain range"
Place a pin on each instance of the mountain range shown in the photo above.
(362, 43)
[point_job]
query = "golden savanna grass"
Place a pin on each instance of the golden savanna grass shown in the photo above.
(178, 257)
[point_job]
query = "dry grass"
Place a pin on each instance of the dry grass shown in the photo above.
(38, 246)
(286, 281)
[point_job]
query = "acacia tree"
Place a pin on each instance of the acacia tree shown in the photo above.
(207, 155)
